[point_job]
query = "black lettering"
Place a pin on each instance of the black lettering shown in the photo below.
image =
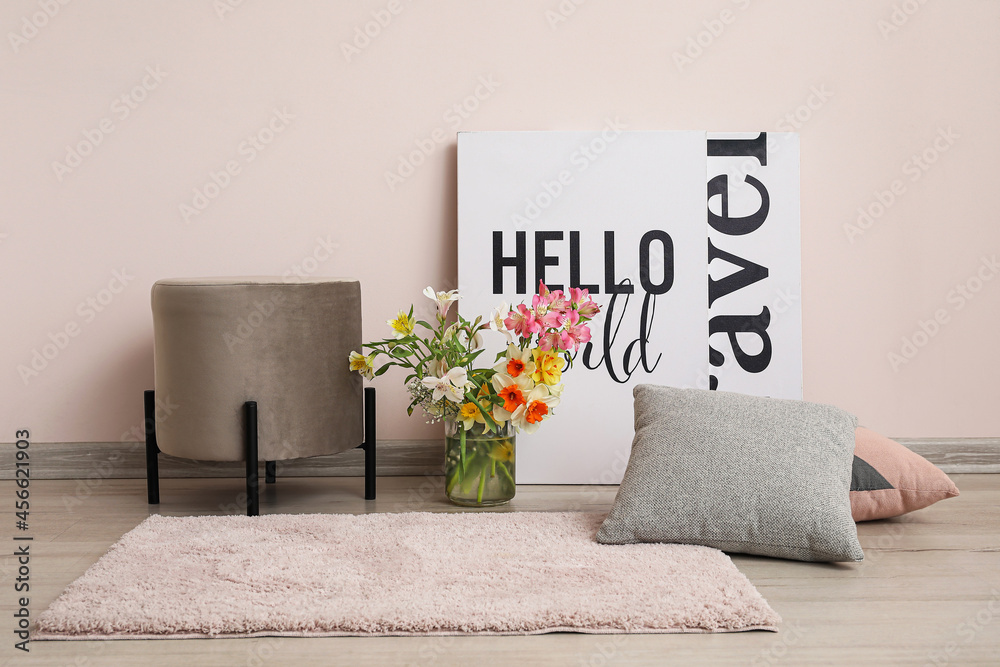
(541, 259)
(612, 324)
(748, 274)
(518, 261)
(574, 264)
(732, 325)
(668, 262)
(756, 148)
(611, 284)
(736, 226)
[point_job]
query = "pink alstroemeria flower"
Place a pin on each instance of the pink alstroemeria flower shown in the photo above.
(559, 302)
(550, 320)
(574, 336)
(522, 322)
(550, 341)
(578, 296)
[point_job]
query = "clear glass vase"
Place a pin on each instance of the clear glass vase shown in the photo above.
(479, 464)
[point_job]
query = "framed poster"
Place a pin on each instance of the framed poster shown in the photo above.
(625, 215)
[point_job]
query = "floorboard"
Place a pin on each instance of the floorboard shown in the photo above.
(928, 592)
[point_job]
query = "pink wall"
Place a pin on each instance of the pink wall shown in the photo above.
(891, 86)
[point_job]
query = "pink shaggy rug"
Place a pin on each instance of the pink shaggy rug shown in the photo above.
(398, 574)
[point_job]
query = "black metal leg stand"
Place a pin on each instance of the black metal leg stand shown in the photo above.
(253, 492)
(152, 462)
(369, 445)
(270, 472)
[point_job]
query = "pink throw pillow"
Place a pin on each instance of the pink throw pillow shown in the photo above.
(888, 479)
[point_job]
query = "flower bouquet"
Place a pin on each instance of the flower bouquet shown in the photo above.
(484, 407)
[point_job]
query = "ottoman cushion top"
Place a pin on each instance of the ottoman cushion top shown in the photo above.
(250, 280)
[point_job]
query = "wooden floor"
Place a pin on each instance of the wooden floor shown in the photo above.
(928, 591)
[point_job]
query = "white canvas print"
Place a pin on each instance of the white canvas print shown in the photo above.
(622, 213)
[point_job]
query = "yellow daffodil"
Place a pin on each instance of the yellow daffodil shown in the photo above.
(402, 325)
(469, 414)
(548, 367)
(362, 364)
(502, 451)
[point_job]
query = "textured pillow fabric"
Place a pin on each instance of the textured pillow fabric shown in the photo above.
(889, 479)
(739, 473)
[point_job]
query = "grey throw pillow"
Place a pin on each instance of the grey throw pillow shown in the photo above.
(740, 473)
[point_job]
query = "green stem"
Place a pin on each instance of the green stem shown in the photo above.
(482, 485)
(453, 479)
(469, 479)
(462, 448)
(493, 468)
(506, 473)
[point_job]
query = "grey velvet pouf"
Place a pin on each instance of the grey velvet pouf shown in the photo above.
(219, 342)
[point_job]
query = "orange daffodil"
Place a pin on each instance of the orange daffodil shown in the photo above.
(512, 392)
(537, 406)
(515, 362)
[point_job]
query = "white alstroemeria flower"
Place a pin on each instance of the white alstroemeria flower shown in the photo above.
(459, 384)
(442, 299)
(537, 406)
(452, 385)
(436, 368)
(497, 323)
(362, 364)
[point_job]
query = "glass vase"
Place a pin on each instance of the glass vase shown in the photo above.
(479, 464)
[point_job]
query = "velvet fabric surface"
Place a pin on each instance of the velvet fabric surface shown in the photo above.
(219, 342)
